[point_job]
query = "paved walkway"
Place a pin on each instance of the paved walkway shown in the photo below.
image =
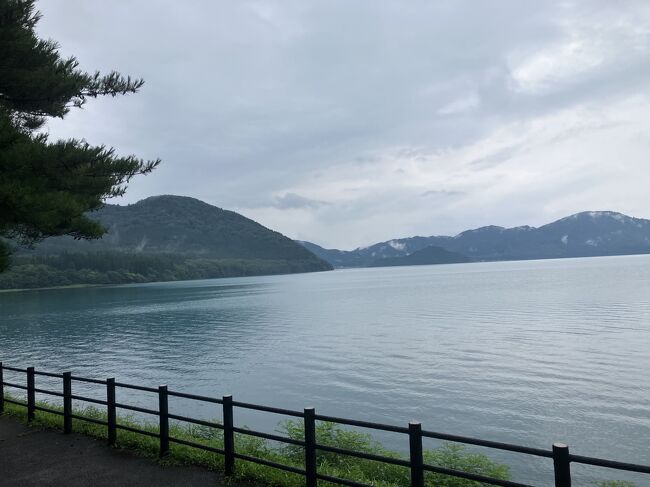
(30, 456)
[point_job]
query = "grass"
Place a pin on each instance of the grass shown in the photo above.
(343, 466)
(379, 474)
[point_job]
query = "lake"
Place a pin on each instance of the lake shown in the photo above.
(528, 352)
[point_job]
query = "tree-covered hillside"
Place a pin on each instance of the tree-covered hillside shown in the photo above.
(161, 238)
(179, 224)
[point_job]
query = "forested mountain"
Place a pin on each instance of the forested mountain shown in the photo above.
(426, 256)
(161, 238)
(585, 234)
(181, 225)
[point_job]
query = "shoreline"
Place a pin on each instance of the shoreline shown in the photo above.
(90, 285)
(68, 286)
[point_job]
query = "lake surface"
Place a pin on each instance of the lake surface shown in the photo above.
(524, 352)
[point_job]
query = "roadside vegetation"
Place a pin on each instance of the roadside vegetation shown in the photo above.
(448, 455)
(356, 469)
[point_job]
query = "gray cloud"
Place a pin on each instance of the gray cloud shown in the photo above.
(441, 193)
(293, 201)
(368, 105)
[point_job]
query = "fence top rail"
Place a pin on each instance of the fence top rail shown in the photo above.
(362, 424)
(195, 397)
(14, 369)
(600, 462)
(47, 374)
(137, 388)
(86, 379)
(268, 409)
(489, 444)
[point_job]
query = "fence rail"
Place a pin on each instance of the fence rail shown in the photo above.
(559, 454)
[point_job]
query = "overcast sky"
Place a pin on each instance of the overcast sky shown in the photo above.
(347, 123)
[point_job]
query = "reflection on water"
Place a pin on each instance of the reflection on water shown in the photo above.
(525, 352)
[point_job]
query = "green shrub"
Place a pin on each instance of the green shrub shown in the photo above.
(368, 471)
(449, 455)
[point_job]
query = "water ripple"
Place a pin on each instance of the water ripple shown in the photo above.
(524, 352)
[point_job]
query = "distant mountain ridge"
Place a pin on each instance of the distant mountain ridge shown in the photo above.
(426, 256)
(161, 238)
(585, 234)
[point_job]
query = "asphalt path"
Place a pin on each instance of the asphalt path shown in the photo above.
(31, 456)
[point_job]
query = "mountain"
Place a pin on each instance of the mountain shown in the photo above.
(181, 225)
(161, 238)
(338, 258)
(367, 256)
(586, 234)
(426, 256)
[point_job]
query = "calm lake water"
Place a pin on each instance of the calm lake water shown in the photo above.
(525, 352)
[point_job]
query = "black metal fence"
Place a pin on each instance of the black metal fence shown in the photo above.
(559, 454)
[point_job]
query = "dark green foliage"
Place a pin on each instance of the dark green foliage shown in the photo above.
(68, 269)
(162, 238)
(342, 466)
(449, 455)
(4, 256)
(47, 188)
(183, 225)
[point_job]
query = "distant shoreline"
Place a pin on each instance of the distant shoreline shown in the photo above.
(81, 286)
(69, 286)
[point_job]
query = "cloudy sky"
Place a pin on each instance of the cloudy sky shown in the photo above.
(347, 123)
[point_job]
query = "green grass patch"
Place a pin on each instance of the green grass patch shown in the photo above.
(343, 466)
(449, 455)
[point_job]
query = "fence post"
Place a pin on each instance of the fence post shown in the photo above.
(415, 448)
(228, 436)
(164, 420)
(561, 465)
(2, 391)
(311, 479)
(31, 394)
(111, 416)
(67, 403)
